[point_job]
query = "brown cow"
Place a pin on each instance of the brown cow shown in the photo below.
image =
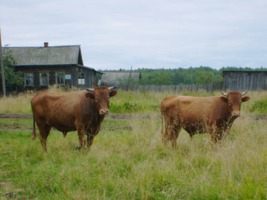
(214, 115)
(83, 111)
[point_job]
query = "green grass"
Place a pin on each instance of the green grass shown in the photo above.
(259, 107)
(134, 165)
(16, 121)
(136, 102)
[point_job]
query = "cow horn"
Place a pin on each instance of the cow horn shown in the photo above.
(243, 93)
(90, 89)
(112, 88)
(224, 94)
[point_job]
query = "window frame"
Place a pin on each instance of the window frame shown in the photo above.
(62, 76)
(31, 85)
(82, 79)
(40, 78)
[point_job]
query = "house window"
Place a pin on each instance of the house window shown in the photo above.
(81, 79)
(60, 78)
(28, 79)
(44, 78)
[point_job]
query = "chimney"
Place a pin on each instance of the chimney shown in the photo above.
(45, 44)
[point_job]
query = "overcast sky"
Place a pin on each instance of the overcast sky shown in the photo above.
(116, 34)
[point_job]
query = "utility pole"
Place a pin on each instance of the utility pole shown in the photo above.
(2, 66)
(129, 79)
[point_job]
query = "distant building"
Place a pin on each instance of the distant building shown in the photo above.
(245, 80)
(117, 78)
(60, 65)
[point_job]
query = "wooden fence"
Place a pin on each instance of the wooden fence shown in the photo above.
(177, 88)
(156, 88)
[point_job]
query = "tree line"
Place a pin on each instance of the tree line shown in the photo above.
(184, 76)
(178, 76)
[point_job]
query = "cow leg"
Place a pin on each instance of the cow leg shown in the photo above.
(214, 141)
(64, 134)
(174, 136)
(191, 136)
(44, 130)
(91, 133)
(224, 134)
(168, 130)
(214, 136)
(90, 139)
(167, 135)
(81, 135)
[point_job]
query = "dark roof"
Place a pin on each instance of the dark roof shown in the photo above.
(45, 56)
(58, 55)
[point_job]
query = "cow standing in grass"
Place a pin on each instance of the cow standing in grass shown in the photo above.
(83, 111)
(214, 115)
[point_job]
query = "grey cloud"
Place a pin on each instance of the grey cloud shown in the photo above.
(153, 34)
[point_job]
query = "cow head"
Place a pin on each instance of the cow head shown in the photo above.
(234, 101)
(101, 97)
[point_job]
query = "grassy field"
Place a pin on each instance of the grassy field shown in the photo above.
(132, 164)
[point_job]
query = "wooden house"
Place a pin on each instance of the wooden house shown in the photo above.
(245, 80)
(60, 65)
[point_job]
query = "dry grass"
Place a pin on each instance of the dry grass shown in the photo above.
(133, 164)
(17, 104)
(139, 102)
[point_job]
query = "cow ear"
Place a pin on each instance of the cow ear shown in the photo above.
(112, 93)
(90, 95)
(224, 99)
(246, 98)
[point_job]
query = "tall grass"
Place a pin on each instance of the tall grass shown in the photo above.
(132, 164)
(17, 104)
(126, 102)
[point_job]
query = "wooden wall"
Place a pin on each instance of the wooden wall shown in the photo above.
(90, 75)
(241, 81)
(177, 88)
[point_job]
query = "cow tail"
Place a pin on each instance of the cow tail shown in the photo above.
(34, 129)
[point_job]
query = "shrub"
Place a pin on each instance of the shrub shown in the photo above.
(259, 107)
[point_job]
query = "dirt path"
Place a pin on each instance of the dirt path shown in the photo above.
(110, 116)
(26, 127)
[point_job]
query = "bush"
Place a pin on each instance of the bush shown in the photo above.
(259, 107)
(132, 107)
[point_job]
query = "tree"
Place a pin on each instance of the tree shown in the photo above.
(204, 77)
(12, 78)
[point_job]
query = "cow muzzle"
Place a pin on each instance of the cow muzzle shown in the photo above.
(236, 113)
(104, 112)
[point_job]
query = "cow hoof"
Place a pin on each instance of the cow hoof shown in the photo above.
(33, 137)
(78, 148)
